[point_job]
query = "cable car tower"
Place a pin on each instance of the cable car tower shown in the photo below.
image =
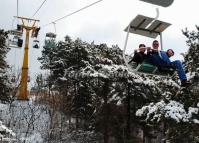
(28, 24)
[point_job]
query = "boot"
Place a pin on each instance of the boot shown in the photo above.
(185, 83)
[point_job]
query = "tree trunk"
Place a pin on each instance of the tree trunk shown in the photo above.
(106, 111)
(128, 122)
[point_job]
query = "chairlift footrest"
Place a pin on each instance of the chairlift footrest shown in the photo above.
(145, 67)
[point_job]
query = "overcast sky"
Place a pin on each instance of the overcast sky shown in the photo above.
(102, 23)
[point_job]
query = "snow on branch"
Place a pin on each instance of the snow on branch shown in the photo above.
(172, 110)
(5, 133)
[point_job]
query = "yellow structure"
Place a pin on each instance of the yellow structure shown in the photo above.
(28, 24)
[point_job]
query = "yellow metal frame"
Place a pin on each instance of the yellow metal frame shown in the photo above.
(23, 89)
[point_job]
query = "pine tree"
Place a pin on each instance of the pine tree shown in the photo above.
(191, 58)
(101, 93)
(47, 54)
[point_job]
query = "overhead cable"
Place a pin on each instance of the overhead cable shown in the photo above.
(73, 13)
(39, 8)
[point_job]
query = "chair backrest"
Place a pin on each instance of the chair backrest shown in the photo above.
(51, 35)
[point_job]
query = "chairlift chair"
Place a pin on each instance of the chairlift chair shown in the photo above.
(15, 37)
(51, 35)
(15, 42)
(148, 27)
(35, 32)
(15, 33)
(36, 44)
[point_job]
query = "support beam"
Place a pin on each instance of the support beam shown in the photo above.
(23, 88)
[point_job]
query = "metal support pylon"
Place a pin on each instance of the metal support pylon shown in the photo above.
(23, 88)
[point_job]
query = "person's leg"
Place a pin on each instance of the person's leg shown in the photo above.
(181, 72)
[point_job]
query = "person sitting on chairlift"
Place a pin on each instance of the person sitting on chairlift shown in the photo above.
(154, 49)
(139, 55)
(161, 60)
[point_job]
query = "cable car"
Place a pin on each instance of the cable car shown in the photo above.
(163, 3)
(148, 27)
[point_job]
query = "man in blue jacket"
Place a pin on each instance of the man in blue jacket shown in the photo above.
(161, 59)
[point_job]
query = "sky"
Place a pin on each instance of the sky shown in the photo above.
(103, 22)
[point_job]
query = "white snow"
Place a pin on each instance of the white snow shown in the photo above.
(6, 134)
(172, 110)
(34, 138)
(19, 116)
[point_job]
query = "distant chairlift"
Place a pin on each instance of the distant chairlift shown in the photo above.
(15, 40)
(151, 28)
(51, 35)
(35, 33)
(36, 44)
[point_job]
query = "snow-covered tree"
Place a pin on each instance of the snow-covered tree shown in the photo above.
(4, 85)
(6, 135)
(176, 116)
(99, 91)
